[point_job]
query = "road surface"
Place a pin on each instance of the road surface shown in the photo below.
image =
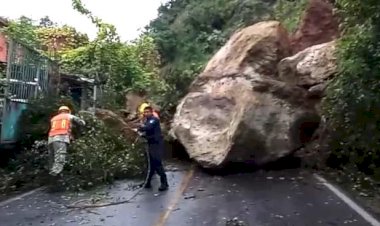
(288, 197)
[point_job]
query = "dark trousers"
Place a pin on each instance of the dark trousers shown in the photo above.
(155, 159)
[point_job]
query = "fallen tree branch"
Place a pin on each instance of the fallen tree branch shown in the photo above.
(79, 201)
(104, 204)
(93, 212)
(114, 203)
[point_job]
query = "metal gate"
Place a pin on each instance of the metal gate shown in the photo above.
(27, 76)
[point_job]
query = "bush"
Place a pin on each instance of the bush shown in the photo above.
(27, 170)
(352, 106)
(101, 155)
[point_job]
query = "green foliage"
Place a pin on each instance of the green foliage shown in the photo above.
(77, 60)
(26, 171)
(23, 30)
(120, 67)
(145, 52)
(59, 39)
(352, 105)
(46, 35)
(106, 32)
(188, 32)
(97, 156)
(177, 80)
(290, 12)
(101, 155)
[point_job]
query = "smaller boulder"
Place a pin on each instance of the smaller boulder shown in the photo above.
(309, 67)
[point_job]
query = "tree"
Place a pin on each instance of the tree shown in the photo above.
(55, 40)
(46, 22)
(146, 52)
(46, 36)
(120, 67)
(24, 31)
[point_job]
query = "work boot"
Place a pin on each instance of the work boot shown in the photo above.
(164, 183)
(54, 183)
(147, 186)
(163, 187)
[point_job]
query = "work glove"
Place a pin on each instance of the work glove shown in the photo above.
(141, 134)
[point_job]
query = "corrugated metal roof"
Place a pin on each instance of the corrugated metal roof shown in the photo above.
(77, 78)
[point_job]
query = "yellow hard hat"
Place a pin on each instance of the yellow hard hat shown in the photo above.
(142, 107)
(64, 108)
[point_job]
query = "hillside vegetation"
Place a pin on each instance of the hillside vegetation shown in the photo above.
(352, 106)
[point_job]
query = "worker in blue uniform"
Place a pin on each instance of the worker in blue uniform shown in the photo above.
(152, 133)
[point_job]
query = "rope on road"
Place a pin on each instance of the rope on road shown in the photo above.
(75, 206)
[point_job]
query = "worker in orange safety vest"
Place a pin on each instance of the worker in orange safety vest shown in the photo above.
(60, 137)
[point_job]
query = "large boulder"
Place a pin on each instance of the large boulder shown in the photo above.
(237, 109)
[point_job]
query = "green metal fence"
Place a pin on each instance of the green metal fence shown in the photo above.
(27, 76)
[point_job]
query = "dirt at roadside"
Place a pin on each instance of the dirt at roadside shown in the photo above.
(363, 189)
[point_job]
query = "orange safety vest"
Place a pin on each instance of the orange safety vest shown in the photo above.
(60, 125)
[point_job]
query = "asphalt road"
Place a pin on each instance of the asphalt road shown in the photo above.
(288, 197)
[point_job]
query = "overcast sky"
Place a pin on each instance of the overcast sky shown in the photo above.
(127, 15)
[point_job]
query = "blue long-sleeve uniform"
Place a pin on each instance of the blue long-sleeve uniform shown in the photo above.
(152, 130)
(153, 135)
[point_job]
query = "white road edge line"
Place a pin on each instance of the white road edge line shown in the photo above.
(8, 201)
(369, 218)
